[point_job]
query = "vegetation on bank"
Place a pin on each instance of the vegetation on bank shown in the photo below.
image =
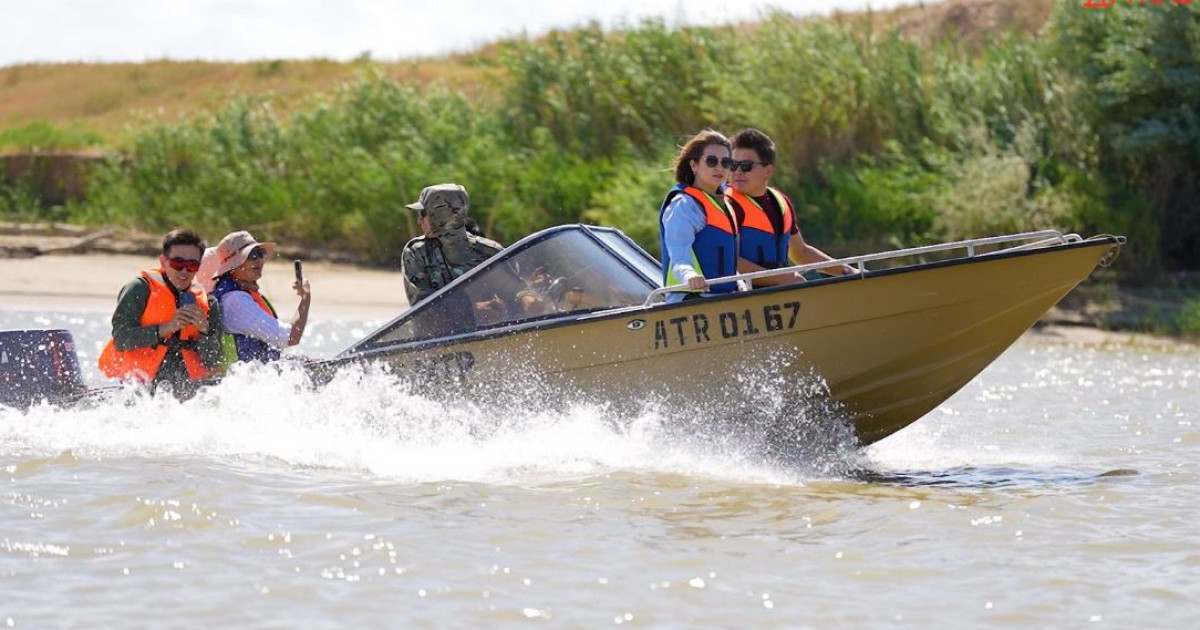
(1091, 125)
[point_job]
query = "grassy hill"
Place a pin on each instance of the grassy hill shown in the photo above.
(90, 104)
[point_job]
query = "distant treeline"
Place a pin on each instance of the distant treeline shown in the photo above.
(1091, 126)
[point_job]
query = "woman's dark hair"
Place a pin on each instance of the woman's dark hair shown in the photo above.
(181, 236)
(756, 141)
(692, 151)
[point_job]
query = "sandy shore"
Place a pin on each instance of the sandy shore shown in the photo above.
(90, 282)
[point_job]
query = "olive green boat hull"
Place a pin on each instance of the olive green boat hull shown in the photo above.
(889, 345)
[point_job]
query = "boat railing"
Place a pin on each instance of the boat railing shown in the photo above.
(1021, 242)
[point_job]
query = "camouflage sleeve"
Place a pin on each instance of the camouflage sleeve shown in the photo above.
(415, 283)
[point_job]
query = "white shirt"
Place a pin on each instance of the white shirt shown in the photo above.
(240, 314)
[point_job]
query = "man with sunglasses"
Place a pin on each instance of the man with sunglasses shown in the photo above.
(164, 328)
(767, 226)
(446, 249)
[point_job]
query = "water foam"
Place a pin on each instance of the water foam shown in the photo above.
(371, 421)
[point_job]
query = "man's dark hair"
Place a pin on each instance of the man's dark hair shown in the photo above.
(181, 236)
(756, 141)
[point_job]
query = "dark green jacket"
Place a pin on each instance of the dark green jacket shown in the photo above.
(129, 333)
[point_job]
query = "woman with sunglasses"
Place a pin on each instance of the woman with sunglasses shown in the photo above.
(164, 328)
(698, 235)
(254, 330)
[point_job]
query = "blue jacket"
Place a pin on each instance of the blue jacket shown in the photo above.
(248, 348)
(714, 249)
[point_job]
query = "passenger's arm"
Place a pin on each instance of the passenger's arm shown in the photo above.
(802, 254)
(746, 266)
(682, 220)
(209, 345)
(127, 330)
(240, 314)
(412, 271)
(300, 321)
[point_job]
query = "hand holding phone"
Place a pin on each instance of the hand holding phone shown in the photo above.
(301, 286)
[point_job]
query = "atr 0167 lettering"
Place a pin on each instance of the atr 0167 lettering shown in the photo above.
(685, 330)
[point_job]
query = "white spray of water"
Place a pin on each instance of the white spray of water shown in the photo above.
(370, 421)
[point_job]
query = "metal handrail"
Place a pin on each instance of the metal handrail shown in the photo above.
(1047, 238)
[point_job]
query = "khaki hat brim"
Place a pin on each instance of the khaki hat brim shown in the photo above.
(242, 255)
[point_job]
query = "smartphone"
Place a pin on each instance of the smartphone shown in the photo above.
(185, 298)
(299, 270)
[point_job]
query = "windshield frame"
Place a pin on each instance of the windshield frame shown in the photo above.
(637, 270)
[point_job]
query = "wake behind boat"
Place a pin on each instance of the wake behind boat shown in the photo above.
(579, 311)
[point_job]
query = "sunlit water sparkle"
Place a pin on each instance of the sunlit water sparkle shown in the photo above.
(1058, 489)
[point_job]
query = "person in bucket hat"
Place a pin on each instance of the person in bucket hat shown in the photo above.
(446, 249)
(253, 330)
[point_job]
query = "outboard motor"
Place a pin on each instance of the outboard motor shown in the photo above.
(37, 365)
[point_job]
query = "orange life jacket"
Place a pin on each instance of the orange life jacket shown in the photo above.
(714, 250)
(760, 242)
(143, 363)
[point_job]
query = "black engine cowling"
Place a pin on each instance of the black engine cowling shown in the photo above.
(38, 365)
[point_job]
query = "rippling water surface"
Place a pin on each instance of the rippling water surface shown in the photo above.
(1058, 489)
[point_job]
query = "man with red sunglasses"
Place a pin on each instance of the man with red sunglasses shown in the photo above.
(164, 328)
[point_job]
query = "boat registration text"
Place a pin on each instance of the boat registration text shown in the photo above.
(699, 328)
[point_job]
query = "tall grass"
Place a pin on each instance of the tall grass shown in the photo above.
(881, 141)
(41, 135)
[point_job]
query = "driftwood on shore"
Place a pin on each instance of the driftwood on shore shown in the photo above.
(30, 240)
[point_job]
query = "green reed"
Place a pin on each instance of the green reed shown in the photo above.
(882, 141)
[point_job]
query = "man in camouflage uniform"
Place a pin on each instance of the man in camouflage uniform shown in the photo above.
(446, 250)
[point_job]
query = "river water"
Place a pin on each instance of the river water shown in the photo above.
(1059, 489)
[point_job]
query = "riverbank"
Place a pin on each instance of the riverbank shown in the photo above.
(90, 282)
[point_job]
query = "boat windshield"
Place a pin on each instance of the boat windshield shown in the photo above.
(564, 270)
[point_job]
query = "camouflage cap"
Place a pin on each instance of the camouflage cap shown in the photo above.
(452, 195)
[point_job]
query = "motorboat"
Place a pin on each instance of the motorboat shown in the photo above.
(579, 312)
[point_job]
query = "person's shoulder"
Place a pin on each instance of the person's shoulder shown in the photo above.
(483, 243)
(416, 241)
(684, 201)
(138, 285)
(139, 281)
(234, 296)
(785, 197)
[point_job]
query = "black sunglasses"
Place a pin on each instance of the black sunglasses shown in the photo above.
(745, 165)
(711, 161)
(257, 253)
